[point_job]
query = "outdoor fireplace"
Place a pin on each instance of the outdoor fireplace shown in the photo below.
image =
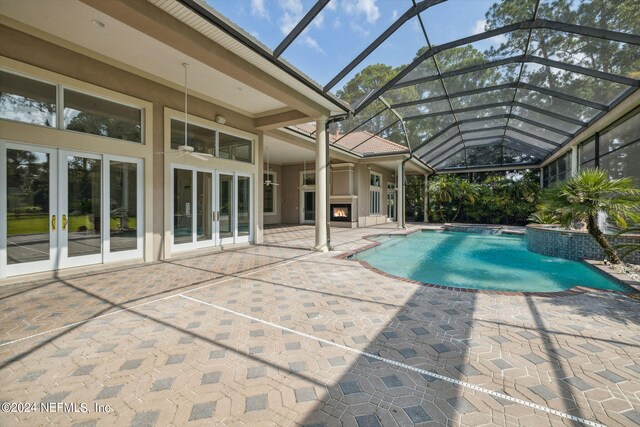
(341, 212)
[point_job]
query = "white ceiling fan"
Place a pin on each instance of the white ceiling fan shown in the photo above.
(186, 149)
(268, 182)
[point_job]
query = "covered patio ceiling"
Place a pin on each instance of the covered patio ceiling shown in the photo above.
(528, 79)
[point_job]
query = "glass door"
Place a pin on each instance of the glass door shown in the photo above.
(28, 239)
(80, 209)
(182, 226)
(308, 213)
(66, 209)
(204, 207)
(391, 202)
(244, 216)
(124, 177)
(193, 220)
(226, 208)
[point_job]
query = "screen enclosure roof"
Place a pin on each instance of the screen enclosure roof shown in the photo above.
(460, 83)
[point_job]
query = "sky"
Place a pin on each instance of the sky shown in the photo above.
(345, 27)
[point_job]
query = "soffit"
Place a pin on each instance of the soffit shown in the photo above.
(130, 49)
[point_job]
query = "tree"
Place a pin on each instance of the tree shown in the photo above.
(414, 190)
(583, 196)
(442, 193)
(357, 89)
(105, 126)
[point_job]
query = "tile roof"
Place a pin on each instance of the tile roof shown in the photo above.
(360, 142)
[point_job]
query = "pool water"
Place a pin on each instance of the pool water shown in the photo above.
(480, 261)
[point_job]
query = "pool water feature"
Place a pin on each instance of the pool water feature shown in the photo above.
(480, 261)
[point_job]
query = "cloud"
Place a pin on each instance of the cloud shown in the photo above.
(312, 43)
(258, 9)
(332, 5)
(318, 21)
(287, 23)
(479, 26)
(368, 8)
(359, 29)
(394, 15)
(293, 12)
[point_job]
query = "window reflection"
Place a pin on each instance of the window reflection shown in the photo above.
(27, 100)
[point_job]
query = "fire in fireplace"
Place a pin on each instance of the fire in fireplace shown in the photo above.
(340, 212)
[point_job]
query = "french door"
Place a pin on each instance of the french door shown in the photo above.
(209, 207)
(391, 201)
(307, 207)
(64, 209)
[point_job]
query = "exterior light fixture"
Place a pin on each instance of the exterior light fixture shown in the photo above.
(97, 23)
(220, 119)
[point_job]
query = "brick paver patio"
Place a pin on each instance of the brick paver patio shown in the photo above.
(278, 335)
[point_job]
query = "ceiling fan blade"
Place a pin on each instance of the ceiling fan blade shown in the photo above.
(201, 156)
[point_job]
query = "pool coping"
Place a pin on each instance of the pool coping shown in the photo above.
(598, 267)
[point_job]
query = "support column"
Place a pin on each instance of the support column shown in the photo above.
(321, 186)
(574, 160)
(258, 210)
(425, 198)
(400, 200)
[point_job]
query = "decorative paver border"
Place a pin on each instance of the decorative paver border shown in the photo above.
(576, 290)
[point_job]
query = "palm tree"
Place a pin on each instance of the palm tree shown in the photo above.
(591, 191)
(464, 192)
(442, 189)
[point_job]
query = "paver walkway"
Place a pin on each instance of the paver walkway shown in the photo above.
(278, 335)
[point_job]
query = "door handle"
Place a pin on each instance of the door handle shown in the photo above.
(64, 222)
(53, 222)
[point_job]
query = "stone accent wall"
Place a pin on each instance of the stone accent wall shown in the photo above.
(572, 244)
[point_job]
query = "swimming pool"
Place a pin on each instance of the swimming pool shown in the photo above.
(479, 261)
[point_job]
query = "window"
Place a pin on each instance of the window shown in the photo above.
(234, 148)
(202, 140)
(269, 207)
(26, 100)
(86, 113)
(308, 178)
(375, 193)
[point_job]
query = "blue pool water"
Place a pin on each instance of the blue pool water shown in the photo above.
(480, 261)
